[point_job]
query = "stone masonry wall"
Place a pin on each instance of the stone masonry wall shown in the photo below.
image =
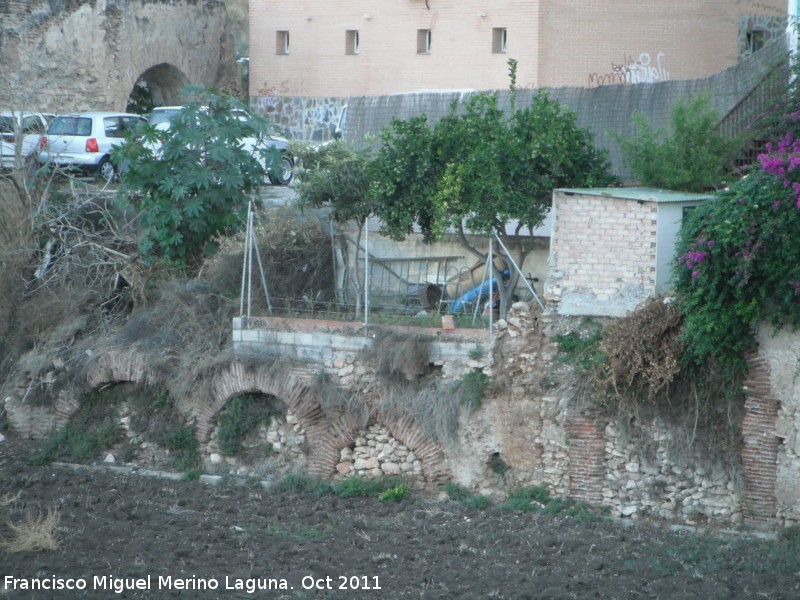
(602, 254)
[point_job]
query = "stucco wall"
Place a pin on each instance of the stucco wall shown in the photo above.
(602, 254)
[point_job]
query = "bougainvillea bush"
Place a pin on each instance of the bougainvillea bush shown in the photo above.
(739, 258)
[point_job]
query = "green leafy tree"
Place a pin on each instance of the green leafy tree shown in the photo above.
(482, 171)
(337, 176)
(692, 157)
(193, 182)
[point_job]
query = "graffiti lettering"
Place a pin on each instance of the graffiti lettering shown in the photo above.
(287, 87)
(631, 72)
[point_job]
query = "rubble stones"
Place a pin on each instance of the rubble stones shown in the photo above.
(376, 453)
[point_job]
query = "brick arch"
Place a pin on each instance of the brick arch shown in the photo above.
(325, 435)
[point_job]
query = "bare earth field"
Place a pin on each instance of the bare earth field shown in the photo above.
(180, 539)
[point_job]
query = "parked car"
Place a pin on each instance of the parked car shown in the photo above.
(83, 142)
(23, 127)
(161, 117)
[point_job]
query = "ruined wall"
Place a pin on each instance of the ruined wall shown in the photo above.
(534, 428)
(603, 254)
(72, 56)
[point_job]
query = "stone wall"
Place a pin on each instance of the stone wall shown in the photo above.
(78, 56)
(533, 428)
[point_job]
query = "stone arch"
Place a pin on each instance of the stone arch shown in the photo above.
(164, 82)
(325, 435)
(408, 431)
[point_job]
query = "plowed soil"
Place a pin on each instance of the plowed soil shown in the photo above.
(186, 539)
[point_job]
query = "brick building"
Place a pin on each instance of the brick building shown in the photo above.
(612, 248)
(320, 48)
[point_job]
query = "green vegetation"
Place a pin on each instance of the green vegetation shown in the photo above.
(184, 448)
(468, 498)
(469, 390)
(303, 484)
(241, 415)
(478, 169)
(93, 429)
(358, 486)
(691, 157)
(533, 498)
(582, 348)
(193, 183)
(395, 494)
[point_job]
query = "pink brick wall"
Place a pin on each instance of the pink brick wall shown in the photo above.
(556, 42)
(600, 245)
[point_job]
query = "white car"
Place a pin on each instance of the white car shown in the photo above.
(25, 128)
(83, 141)
(161, 116)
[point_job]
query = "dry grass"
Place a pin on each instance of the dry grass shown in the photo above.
(34, 534)
(400, 358)
(8, 500)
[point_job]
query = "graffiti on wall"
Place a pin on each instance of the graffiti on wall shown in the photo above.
(287, 87)
(630, 71)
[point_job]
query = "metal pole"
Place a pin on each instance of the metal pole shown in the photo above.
(528, 285)
(491, 288)
(244, 260)
(483, 280)
(366, 272)
(250, 264)
(263, 275)
(333, 259)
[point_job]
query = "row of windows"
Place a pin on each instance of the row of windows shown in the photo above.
(499, 41)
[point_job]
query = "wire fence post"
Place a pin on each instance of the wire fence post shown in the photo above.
(491, 288)
(244, 261)
(521, 274)
(366, 273)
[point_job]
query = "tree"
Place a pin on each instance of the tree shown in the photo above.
(337, 176)
(193, 182)
(692, 157)
(481, 171)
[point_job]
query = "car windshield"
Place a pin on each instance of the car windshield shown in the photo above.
(70, 126)
(162, 115)
(6, 124)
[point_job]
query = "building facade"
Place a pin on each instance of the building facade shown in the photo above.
(318, 48)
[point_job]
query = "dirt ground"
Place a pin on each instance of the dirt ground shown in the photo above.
(180, 539)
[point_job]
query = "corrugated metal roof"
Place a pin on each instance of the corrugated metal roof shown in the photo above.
(639, 194)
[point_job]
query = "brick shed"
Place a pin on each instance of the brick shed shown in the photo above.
(612, 248)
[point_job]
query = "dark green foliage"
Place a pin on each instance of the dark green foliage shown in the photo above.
(691, 157)
(470, 388)
(197, 185)
(470, 499)
(358, 486)
(524, 498)
(303, 484)
(241, 415)
(183, 446)
(93, 429)
(582, 348)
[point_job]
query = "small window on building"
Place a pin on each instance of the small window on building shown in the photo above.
(351, 42)
(499, 40)
(282, 43)
(755, 40)
(423, 41)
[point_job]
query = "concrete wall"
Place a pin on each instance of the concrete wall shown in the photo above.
(556, 43)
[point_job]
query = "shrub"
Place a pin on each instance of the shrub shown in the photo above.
(34, 534)
(692, 157)
(183, 446)
(93, 429)
(358, 486)
(242, 414)
(524, 498)
(470, 389)
(468, 498)
(739, 259)
(297, 483)
(395, 494)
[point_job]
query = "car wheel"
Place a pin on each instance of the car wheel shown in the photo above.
(105, 170)
(285, 172)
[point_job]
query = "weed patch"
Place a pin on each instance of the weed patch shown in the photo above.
(363, 487)
(395, 494)
(303, 484)
(241, 415)
(468, 498)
